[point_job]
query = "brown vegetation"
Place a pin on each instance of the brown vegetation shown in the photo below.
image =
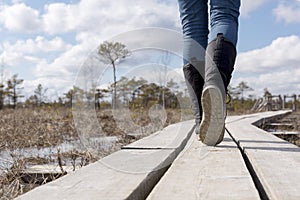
(48, 127)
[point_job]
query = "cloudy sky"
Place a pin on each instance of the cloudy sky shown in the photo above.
(46, 41)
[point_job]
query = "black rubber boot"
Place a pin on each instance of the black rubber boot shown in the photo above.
(219, 63)
(195, 82)
(224, 54)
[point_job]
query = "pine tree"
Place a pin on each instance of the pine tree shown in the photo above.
(110, 53)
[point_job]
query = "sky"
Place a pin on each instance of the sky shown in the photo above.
(47, 41)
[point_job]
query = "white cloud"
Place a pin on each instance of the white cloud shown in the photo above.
(58, 18)
(108, 17)
(281, 53)
(64, 66)
(20, 18)
(248, 6)
(58, 75)
(37, 45)
(31, 58)
(31, 50)
(275, 67)
(288, 13)
(277, 82)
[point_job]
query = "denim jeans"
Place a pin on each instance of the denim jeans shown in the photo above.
(196, 36)
(194, 19)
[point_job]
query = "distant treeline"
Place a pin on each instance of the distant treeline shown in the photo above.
(133, 93)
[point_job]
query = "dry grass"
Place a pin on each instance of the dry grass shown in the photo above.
(39, 128)
(23, 128)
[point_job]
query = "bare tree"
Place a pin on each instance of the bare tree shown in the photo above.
(71, 94)
(2, 85)
(32, 101)
(12, 89)
(40, 94)
(1, 96)
(99, 94)
(110, 53)
(243, 87)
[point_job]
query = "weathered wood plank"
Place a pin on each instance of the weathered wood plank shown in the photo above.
(275, 162)
(202, 172)
(169, 137)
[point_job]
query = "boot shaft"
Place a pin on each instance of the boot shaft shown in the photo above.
(220, 55)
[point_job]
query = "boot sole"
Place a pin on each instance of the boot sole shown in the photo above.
(212, 124)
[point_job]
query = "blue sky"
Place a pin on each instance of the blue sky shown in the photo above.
(260, 27)
(47, 41)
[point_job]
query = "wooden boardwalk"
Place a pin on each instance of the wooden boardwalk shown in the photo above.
(273, 162)
(173, 164)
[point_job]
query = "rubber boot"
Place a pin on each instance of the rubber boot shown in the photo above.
(219, 63)
(195, 82)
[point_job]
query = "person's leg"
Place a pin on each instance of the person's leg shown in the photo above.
(194, 20)
(219, 63)
(224, 19)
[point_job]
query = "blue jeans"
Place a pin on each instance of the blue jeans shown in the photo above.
(194, 19)
(196, 36)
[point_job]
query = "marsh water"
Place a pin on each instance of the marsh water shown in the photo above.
(50, 153)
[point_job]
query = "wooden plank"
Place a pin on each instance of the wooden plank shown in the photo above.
(202, 172)
(124, 174)
(275, 162)
(169, 137)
